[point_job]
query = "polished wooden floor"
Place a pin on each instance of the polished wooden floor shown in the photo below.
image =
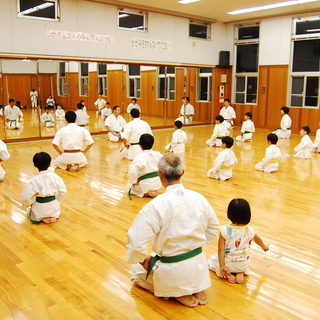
(76, 268)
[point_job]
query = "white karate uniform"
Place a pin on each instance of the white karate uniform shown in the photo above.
(270, 162)
(116, 124)
(82, 117)
(304, 148)
(247, 126)
(177, 145)
(316, 144)
(100, 104)
(12, 114)
(44, 184)
(133, 106)
(228, 113)
(220, 130)
(145, 162)
(60, 114)
(34, 98)
(50, 103)
(106, 112)
(72, 137)
(47, 120)
(185, 110)
(132, 133)
(4, 155)
(222, 168)
(178, 221)
(284, 131)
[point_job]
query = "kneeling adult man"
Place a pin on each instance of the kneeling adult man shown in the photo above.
(179, 222)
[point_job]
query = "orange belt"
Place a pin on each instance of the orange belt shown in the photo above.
(72, 151)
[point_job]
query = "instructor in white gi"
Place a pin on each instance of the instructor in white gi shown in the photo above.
(179, 222)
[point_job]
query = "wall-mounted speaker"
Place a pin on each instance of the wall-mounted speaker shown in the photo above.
(224, 58)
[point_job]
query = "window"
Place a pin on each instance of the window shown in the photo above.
(39, 9)
(134, 20)
(247, 64)
(134, 81)
(102, 79)
(166, 83)
(62, 86)
(305, 67)
(199, 30)
(204, 84)
(84, 79)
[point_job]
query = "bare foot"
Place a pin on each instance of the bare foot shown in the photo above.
(151, 194)
(231, 278)
(202, 297)
(189, 301)
(49, 220)
(145, 285)
(239, 277)
(229, 179)
(73, 167)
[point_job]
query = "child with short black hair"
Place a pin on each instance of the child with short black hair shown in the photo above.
(247, 128)
(42, 194)
(304, 148)
(179, 138)
(285, 124)
(270, 162)
(233, 258)
(219, 131)
(60, 114)
(47, 118)
(223, 164)
(82, 116)
(4, 155)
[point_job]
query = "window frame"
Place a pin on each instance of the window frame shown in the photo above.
(200, 23)
(103, 80)
(208, 76)
(247, 75)
(169, 80)
(83, 81)
(303, 74)
(57, 11)
(129, 12)
(134, 81)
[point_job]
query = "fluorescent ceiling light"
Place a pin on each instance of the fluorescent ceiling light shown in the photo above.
(123, 15)
(37, 8)
(313, 30)
(270, 6)
(187, 1)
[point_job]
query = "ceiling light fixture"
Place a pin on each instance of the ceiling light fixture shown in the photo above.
(270, 6)
(36, 8)
(187, 1)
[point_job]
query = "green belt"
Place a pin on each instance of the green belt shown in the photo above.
(288, 128)
(143, 177)
(13, 121)
(134, 144)
(45, 199)
(247, 132)
(220, 137)
(173, 259)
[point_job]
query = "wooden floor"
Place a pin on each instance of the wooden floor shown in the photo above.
(76, 268)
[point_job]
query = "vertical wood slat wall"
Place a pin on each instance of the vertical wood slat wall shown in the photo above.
(266, 114)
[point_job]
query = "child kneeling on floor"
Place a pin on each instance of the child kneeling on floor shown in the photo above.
(42, 194)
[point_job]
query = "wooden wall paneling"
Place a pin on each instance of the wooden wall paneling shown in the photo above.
(45, 82)
(260, 114)
(148, 93)
(115, 89)
(93, 91)
(3, 100)
(74, 96)
(216, 83)
(18, 87)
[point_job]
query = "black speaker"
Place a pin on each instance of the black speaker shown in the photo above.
(224, 58)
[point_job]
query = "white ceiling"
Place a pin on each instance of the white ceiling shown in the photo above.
(216, 10)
